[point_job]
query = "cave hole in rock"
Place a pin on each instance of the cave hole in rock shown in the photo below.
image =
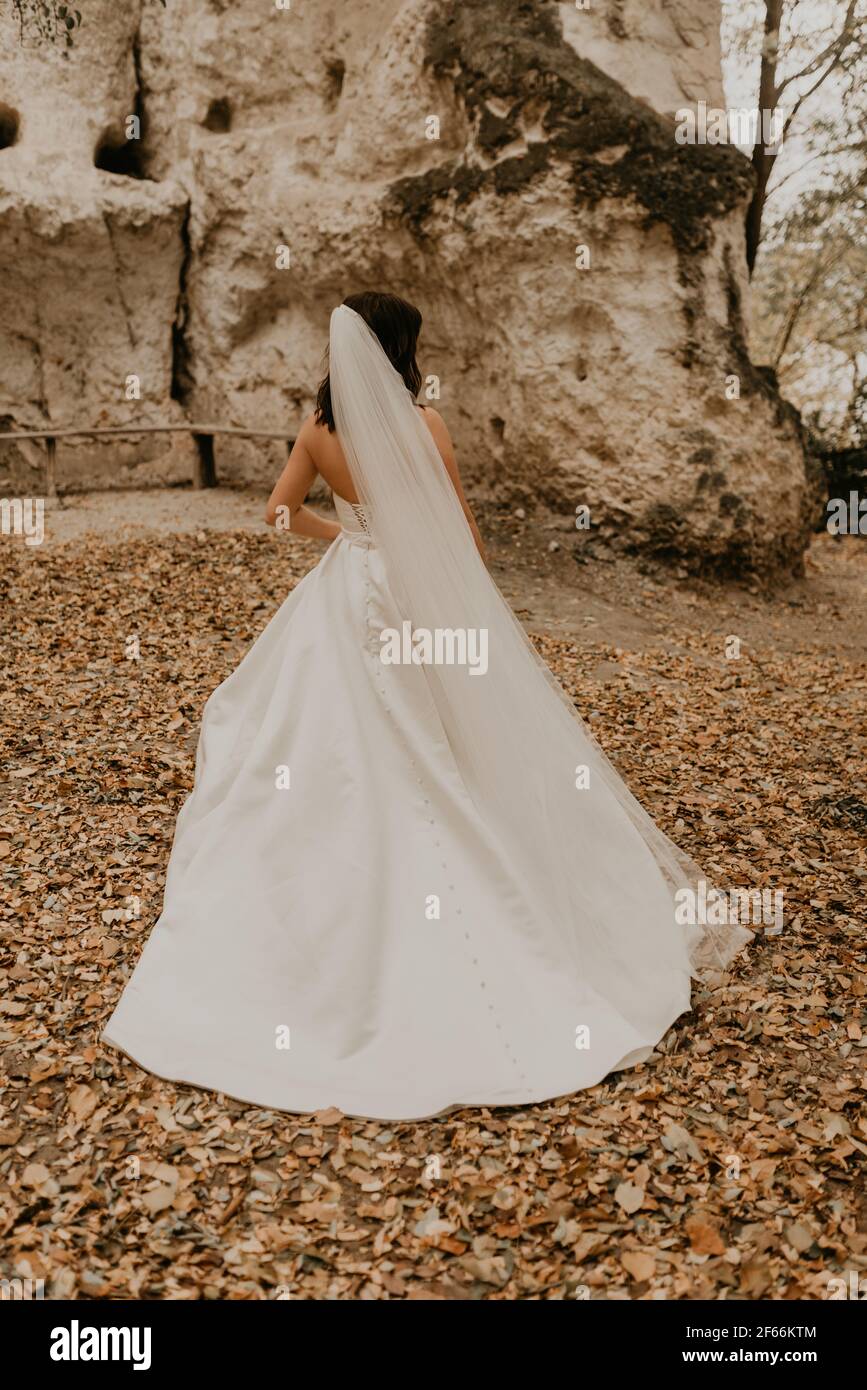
(335, 71)
(10, 123)
(218, 117)
(117, 155)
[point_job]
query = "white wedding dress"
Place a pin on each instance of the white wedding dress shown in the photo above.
(357, 913)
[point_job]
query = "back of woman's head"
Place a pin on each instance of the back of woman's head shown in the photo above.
(397, 325)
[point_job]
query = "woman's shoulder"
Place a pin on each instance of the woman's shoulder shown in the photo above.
(316, 437)
(435, 423)
(311, 426)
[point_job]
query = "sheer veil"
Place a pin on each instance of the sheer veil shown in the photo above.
(514, 733)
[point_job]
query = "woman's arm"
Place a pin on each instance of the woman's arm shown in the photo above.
(306, 522)
(437, 426)
(286, 508)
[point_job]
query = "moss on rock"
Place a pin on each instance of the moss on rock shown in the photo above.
(514, 71)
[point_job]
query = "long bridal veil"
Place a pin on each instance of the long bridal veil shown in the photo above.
(595, 872)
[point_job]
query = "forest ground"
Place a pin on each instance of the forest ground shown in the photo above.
(730, 1165)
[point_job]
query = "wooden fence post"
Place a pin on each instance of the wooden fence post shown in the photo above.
(206, 469)
(50, 467)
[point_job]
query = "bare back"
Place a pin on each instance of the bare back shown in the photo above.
(325, 450)
(318, 450)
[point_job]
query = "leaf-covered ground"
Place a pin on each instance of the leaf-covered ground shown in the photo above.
(731, 1165)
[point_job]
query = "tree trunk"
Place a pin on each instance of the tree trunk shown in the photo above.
(763, 162)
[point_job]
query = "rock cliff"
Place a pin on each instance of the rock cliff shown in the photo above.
(510, 166)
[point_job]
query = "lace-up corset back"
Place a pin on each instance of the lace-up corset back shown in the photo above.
(353, 519)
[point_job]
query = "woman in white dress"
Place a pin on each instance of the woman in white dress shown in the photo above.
(407, 878)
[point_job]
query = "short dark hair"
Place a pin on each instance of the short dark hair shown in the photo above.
(397, 324)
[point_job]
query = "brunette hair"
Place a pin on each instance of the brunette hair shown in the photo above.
(397, 325)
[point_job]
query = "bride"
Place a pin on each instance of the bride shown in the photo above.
(407, 878)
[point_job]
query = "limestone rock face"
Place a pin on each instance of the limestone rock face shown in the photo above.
(91, 261)
(509, 166)
(665, 52)
(88, 300)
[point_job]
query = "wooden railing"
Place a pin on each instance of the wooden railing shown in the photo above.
(205, 474)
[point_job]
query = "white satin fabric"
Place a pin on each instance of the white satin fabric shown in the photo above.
(367, 914)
